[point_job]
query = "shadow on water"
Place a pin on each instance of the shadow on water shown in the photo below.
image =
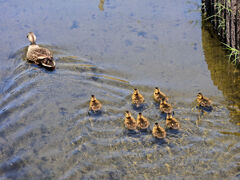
(224, 74)
(207, 109)
(95, 114)
(140, 108)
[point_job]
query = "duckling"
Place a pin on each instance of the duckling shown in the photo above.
(129, 121)
(165, 107)
(39, 55)
(203, 101)
(95, 104)
(158, 131)
(142, 122)
(137, 98)
(158, 95)
(171, 122)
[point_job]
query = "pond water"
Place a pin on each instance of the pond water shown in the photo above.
(107, 48)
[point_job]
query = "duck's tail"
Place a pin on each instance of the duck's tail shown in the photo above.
(48, 63)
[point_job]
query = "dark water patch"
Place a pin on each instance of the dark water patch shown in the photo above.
(75, 25)
(128, 43)
(95, 113)
(163, 115)
(156, 104)
(131, 133)
(207, 109)
(12, 165)
(160, 142)
(142, 34)
(139, 108)
(139, 49)
(144, 132)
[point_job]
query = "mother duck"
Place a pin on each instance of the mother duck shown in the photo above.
(39, 55)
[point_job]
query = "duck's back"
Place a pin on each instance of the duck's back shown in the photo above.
(35, 53)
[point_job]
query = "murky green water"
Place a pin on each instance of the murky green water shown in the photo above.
(107, 48)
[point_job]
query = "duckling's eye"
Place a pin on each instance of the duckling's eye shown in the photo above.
(27, 36)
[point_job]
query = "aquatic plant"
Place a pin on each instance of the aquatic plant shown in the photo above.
(222, 10)
(233, 55)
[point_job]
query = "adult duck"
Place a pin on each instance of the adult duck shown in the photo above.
(39, 55)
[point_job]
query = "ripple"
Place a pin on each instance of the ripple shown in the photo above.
(46, 130)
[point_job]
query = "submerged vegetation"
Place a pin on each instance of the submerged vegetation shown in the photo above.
(233, 55)
(223, 16)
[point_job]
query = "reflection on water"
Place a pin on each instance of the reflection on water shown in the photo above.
(224, 74)
(45, 128)
(101, 4)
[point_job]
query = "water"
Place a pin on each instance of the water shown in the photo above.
(107, 48)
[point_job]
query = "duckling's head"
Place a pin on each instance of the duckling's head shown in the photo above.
(156, 90)
(31, 37)
(139, 115)
(127, 114)
(135, 91)
(200, 95)
(93, 98)
(157, 126)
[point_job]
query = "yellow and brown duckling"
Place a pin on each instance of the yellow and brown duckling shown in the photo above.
(158, 131)
(129, 121)
(142, 122)
(203, 101)
(95, 105)
(137, 98)
(165, 107)
(171, 122)
(159, 95)
(39, 55)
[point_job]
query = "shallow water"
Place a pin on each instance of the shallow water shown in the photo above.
(107, 48)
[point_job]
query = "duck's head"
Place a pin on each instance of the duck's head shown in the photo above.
(31, 37)
(93, 98)
(200, 95)
(156, 90)
(135, 91)
(127, 114)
